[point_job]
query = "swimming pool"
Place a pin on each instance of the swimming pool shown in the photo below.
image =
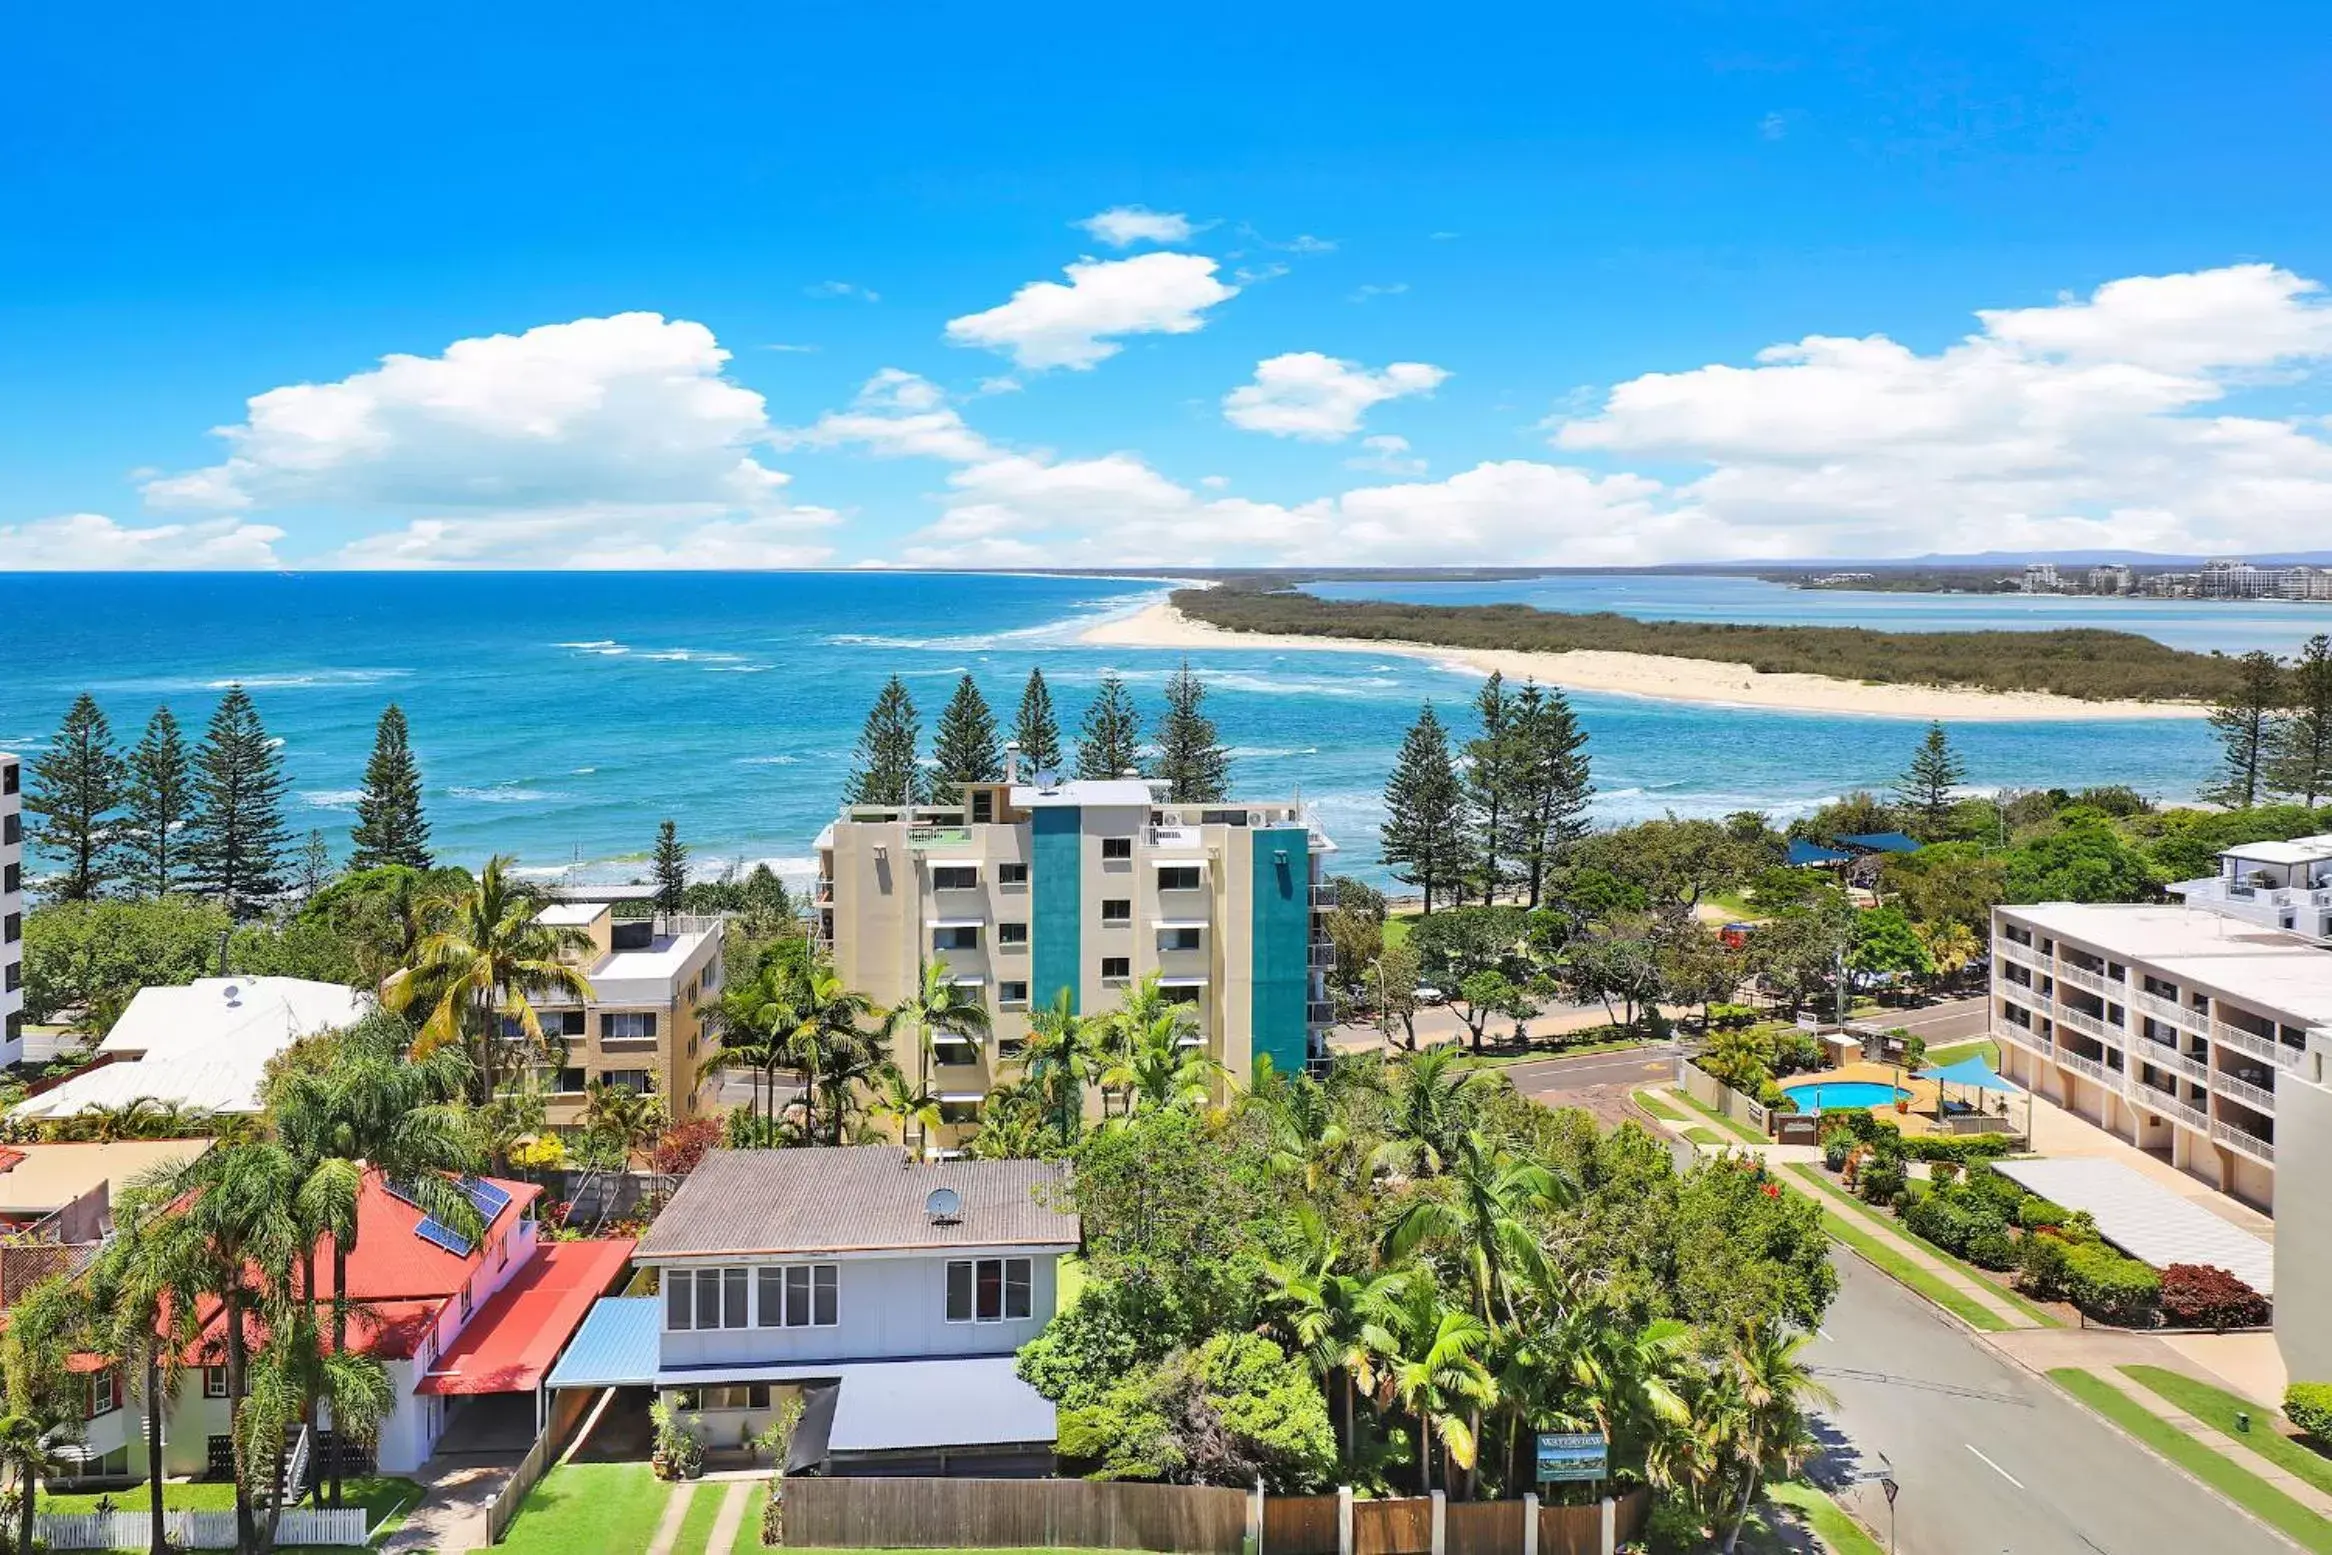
(1844, 1095)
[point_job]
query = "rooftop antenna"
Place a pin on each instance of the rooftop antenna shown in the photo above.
(943, 1206)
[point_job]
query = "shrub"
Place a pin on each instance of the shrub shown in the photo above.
(1732, 1017)
(2308, 1406)
(2044, 1264)
(1797, 1052)
(1880, 1180)
(1962, 1148)
(1834, 1151)
(2037, 1214)
(2200, 1295)
(1992, 1248)
(2110, 1287)
(1943, 1171)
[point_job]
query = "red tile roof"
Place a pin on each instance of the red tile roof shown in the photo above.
(514, 1338)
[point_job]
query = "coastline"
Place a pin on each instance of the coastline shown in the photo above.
(1661, 677)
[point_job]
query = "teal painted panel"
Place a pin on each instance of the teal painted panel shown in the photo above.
(1055, 915)
(1280, 945)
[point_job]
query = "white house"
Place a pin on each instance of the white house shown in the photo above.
(888, 1294)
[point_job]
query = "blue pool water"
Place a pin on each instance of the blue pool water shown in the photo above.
(1844, 1095)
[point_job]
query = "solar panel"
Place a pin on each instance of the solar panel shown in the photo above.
(443, 1236)
(490, 1199)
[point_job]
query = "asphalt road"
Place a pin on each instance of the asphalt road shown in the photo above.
(1653, 1063)
(1989, 1456)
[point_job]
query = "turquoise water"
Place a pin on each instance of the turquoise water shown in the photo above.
(560, 716)
(1844, 1095)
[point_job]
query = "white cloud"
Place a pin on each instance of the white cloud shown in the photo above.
(1305, 243)
(1368, 290)
(541, 448)
(1124, 225)
(842, 289)
(897, 414)
(1386, 455)
(1047, 324)
(92, 542)
(1306, 394)
(2090, 421)
(1773, 126)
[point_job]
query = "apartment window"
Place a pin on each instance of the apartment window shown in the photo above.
(627, 1026)
(1178, 877)
(104, 1393)
(562, 1023)
(632, 1080)
(955, 877)
(1117, 847)
(707, 1299)
(12, 928)
(800, 1295)
(953, 1050)
(570, 1083)
(1011, 933)
(1178, 939)
(8, 779)
(1012, 874)
(11, 828)
(1117, 910)
(13, 880)
(467, 1300)
(961, 936)
(1117, 969)
(214, 1382)
(1009, 993)
(988, 1290)
(983, 806)
(15, 978)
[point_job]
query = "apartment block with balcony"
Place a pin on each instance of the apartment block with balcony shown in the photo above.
(642, 1027)
(11, 909)
(1023, 891)
(2277, 885)
(2173, 1028)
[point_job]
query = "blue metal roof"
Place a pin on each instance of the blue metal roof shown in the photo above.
(618, 1345)
(1802, 853)
(1882, 841)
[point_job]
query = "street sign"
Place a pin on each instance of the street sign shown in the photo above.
(1572, 1455)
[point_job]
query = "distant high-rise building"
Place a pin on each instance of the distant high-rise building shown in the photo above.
(2307, 583)
(2041, 578)
(2112, 578)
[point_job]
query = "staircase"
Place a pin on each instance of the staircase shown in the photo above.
(295, 1469)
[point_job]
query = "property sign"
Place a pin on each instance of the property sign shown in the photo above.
(1572, 1455)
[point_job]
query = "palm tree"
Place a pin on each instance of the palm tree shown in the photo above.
(489, 955)
(1059, 1061)
(1433, 1111)
(45, 1403)
(899, 1102)
(1432, 1368)
(33, 1452)
(143, 1301)
(1159, 1069)
(938, 1004)
(1310, 1141)
(1766, 1390)
(828, 1046)
(749, 1021)
(1013, 1126)
(1323, 1314)
(1487, 1208)
(631, 1118)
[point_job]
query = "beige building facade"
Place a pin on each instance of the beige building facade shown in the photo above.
(1021, 892)
(643, 1026)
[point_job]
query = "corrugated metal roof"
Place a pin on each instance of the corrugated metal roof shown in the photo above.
(204, 1045)
(2146, 1220)
(860, 1198)
(890, 1406)
(617, 1346)
(517, 1334)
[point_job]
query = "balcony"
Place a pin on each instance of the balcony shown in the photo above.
(2022, 1036)
(1320, 1012)
(924, 839)
(2243, 1041)
(2248, 1144)
(1323, 894)
(2091, 1067)
(1323, 953)
(2074, 1019)
(2095, 982)
(2171, 1107)
(2257, 1097)
(2171, 1010)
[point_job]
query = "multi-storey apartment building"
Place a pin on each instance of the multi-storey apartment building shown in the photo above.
(2277, 885)
(1023, 891)
(2174, 1028)
(11, 909)
(642, 1027)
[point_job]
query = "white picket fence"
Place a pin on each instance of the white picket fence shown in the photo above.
(196, 1530)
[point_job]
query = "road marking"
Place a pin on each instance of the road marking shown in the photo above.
(1994, 1467)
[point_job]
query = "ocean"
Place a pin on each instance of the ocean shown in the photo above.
(560, 716)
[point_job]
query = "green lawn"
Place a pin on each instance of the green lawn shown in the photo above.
(1983, 1047)
(1838, 1195)
(1841, 1533)
(2228, 1478)
(378, 1495)
(1892, 1263)
(1705, 1136)
(1397, 927)
(696, 1525)
(749, 1531)
(2217, 1407)
(1069, 1283)
(589, 1506)
(1652, 1103)
(1740, 1130)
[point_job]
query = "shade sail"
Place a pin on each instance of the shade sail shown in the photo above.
(1970, 1072)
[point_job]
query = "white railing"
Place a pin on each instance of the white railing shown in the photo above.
(2171, 1010)
(2022, 955)
(196, 1530)
(2257, 1097)
(2080, 1020)
(2088, 1066)
(2249, 1144)
(2250, 1042)
(2022, 1036)
(2095, 982)
(2170, 1106)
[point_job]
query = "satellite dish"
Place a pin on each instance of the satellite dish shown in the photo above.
(944, 1206)
(1048, 779)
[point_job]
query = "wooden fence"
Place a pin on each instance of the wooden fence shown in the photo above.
(1300, 1525)
(512, 1495)
(196, 1530)
(1020, 1514)
(1396, 1527)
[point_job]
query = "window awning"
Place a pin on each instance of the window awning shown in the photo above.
(969, 980)
(1180, 923)
(963, 1098)
(1182, 982)
(520, 1331)
(954, 923)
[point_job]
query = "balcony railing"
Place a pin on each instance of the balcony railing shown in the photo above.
(2171, 1010)
(2022, 955)
(2257, 1097)
(2249, 1144)
(2076, 1019)
(2250, 1042)
(1320, 1013)
(1323, 953)
(2095, 982)
(2022, 1036)
(2088, 1066)
(1323, 894)
(2172, 1107)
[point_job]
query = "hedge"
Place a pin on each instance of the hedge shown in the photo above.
(2110, 1287)
(2198, 1295)
(2308, 1405)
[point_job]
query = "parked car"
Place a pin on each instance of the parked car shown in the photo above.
(1431, 996)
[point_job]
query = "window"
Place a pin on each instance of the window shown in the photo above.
(1117, 969)
(214, 1382)
(1012, 993)
(1011, 933)
(989, 1290)
(8, 779)
(571, 1082)
(1178, 939)
(800, 1295)
(1012, 874)
(1117, 847)
(12, 928)
(13, 881)
(15, 978)
(11, 828)
(104, 1393)
(467, 1300)
(561, 1023)
(627, 1026)
(1178, 877)
(953, 1050)
(961, 936)
(632, 1080)
(955, 877)
(983, 806)
(1117, 909)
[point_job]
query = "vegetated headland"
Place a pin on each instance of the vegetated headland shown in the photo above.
(2081, 665)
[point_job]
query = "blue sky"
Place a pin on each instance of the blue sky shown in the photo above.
(1578, 229)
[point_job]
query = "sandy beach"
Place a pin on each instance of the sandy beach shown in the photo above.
(1652, 675)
